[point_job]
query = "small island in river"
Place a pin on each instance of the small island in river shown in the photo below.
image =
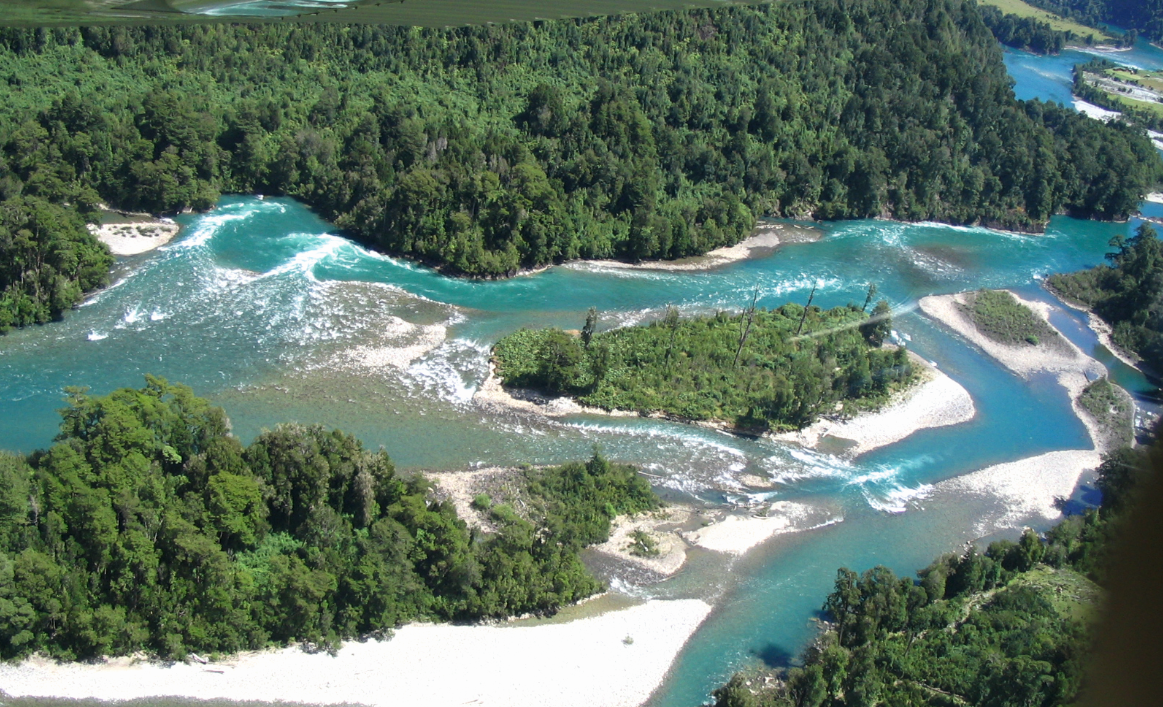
(755, 372)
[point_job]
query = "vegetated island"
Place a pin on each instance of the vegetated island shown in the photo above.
(148, 527)
(487, 151)
(1009, 626)
(754, 372)
(1018, 334)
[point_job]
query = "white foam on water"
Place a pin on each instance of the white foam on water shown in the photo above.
(132, 316)
(304, 262)
(441, 372)
(97, 336)
(208, 225)
(898, 499)
(158, 315)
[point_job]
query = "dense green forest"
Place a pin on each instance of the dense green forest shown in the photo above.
(48, 259)
(484, 150)
(756, 370)
(1138, 16)
(1127, 293)
(147, 526)
(1028, 33)
(1005, 628)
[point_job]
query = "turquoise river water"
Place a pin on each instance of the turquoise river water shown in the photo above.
(261, 307)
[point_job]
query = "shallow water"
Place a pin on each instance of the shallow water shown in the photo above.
(263, 308)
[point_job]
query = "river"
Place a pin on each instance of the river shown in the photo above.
(262, 308)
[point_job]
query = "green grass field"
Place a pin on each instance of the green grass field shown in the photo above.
(1021, 9)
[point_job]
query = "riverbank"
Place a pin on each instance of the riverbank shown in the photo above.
(766, 238)
(438, 664)
(133, 234)
(1028, 487)
(1057, 356)
(935, 401)
(1033, 485)
(1101, 329)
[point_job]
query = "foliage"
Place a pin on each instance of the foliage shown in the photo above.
(147, 526)
(48, 260)
(1113, 409)
(999, 316)
(1028, 33)
(752, 369)
(1127, 293)
(1005, 627)
(642, 544)
(484, 150)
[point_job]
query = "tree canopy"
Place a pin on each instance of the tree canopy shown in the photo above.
(485, 150)
(147, 526)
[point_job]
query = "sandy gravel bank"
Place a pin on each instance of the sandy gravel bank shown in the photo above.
(936, 401)
(662, 526)
(767, 237)
(1094, 111)
(1028, 486)
(1024, 360)
(492, 394)
(736, 534)
(135, 237)
(501, 666)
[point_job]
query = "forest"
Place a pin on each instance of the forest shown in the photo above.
(486, 150)
(48, 260)
(1137, 16)
(1007, 627)
(1127, 293)
(756, 370)
(148, 527)
(1027, 33)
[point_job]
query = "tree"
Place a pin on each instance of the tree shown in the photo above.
(878, 326)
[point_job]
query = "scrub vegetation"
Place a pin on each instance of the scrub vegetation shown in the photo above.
(1006, 627)
(486, 150)
(1127, 293)
(148, 527)
(1001, 317)
(758, 369)
(1113, 409)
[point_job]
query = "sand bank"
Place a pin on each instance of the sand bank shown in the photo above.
(1028, 486)
(134, 237)
(662, 527)
(1094, 111)
(735, 534)
(936, 401)
(492, 394)
(766, 238)
(615, 659)
(1060, 356)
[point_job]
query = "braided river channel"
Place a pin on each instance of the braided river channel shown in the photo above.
(271, 313)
